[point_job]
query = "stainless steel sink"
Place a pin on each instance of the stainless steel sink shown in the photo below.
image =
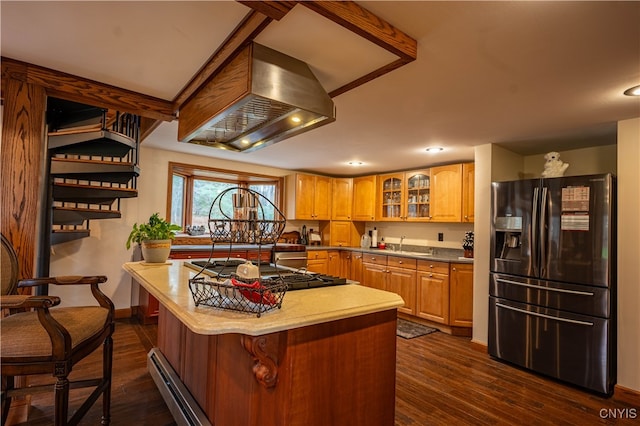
(414, 253)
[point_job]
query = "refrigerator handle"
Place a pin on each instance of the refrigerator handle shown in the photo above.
(542, 241)
(534, 231)
(551, 317)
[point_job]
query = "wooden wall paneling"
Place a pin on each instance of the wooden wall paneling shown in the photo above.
(23, 150)
(323, 360)
(199, 355)
(242, 399)
(171, 338)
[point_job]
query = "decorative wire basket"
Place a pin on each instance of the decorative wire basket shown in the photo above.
(242, 216)
(243, 296)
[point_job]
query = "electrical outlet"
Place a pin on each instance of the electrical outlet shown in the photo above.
(440, 236)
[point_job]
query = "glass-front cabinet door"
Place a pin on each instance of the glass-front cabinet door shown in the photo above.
(418, 185)
(391, 193)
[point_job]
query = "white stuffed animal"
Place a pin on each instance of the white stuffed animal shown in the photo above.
(554, 167)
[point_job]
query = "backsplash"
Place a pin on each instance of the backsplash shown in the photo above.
(420, 235)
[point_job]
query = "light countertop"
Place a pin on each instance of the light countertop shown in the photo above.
(169, 283)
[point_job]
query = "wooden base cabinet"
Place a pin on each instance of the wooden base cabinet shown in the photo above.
(433, 291)
(394, 274)
(356, 266)
(461, 295)
(334, 265)
(318, 261)
(403, 282)
(445, 295)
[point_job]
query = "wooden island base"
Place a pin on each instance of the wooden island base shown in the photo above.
(335, 373)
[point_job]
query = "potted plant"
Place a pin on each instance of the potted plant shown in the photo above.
(467, 244)
(154, 238)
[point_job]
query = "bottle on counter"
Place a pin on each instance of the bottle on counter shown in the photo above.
(382, 245)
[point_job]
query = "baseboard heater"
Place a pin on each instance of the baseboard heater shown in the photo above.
(185, 410)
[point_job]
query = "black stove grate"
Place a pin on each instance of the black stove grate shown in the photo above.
(272, 275)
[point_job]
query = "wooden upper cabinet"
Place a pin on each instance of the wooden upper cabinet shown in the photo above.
(308, 197)
(342, 198)
(391, 197)
(468, 188)
(340, 233)
(364, 198)
(404, 196)
(418, 195)
(322, 198)
(446, 193)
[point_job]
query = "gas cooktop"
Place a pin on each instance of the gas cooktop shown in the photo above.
(295, 279)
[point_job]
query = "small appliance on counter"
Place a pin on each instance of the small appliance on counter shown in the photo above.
(365, 241)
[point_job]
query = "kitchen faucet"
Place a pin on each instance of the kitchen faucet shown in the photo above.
(401, 240)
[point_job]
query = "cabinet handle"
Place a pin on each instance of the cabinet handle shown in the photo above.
(430, 275)
(453, 269)
(430, 266)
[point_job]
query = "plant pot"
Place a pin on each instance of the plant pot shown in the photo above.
(468, 253)
(156, 251)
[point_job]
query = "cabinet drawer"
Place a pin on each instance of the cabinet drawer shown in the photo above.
(435, 267)
(378, 259)
(402, 262)
(317, 255)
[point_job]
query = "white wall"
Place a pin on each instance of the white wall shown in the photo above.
(104, 252)
(602, 159)
(628, 264)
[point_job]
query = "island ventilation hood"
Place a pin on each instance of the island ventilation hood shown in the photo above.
(261, 97)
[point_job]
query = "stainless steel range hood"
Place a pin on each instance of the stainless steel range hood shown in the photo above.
(261, 97)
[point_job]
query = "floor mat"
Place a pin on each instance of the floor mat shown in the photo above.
(409, 330)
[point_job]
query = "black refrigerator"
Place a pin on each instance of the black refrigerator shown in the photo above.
(552, 299)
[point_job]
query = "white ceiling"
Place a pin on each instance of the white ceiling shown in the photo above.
(531, 76)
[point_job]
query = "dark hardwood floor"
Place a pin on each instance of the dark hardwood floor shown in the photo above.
(440, 381)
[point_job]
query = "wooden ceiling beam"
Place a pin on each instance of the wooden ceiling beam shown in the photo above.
(359, 20)
(70, 87)
(273, 9)
(368, 77)
(243, 34)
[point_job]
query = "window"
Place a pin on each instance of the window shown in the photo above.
(194, 188)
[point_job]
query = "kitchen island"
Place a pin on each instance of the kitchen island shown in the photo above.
(326, 357)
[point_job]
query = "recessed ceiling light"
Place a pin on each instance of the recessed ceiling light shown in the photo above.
(355, 163)
(245, 141)
(434, 149)
(295, 119)
(633, 91)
